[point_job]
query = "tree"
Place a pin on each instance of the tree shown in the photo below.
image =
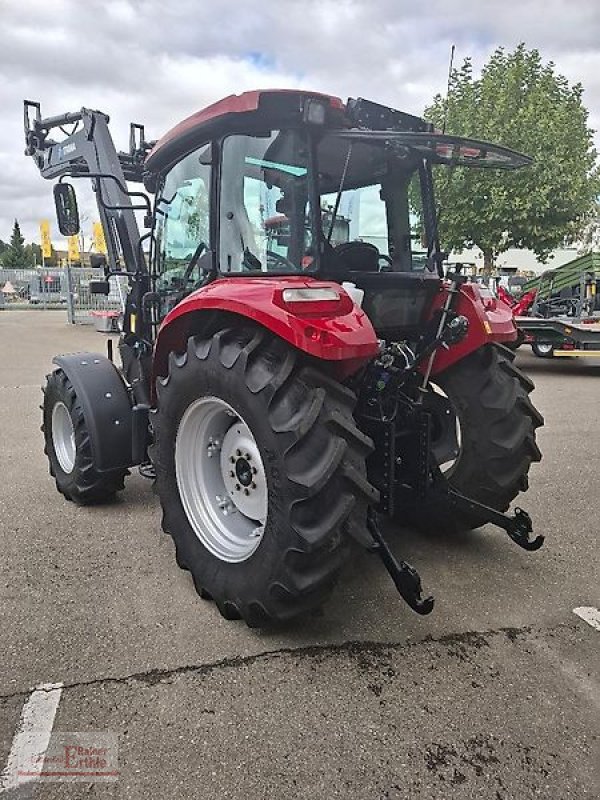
(15, 256)
(589, 241)
(521, 103)
(33, 253)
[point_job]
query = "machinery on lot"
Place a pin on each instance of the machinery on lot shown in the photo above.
(559, 311)
(285, 399)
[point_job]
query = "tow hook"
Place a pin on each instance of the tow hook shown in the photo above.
(406, 578)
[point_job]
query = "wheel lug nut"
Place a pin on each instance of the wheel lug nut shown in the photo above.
(253, 485)
(232, 459)
(248, 457)
(254, 470)
(237, 487)
(231, 473)
(238, 453)
(246, 492)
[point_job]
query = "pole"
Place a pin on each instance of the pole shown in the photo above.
(448, 89)
(70, 299)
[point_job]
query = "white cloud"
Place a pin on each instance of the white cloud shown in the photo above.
(154, 62)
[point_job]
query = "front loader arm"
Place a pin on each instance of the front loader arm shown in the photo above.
(88, 150)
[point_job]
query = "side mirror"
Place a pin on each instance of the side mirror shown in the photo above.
(67, 212)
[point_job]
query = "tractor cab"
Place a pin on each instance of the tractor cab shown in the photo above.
(291, 183)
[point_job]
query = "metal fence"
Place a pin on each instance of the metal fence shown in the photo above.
(63, 288)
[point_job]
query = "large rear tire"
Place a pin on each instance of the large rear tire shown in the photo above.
(260, 470)
(68, 446)
(497, 424)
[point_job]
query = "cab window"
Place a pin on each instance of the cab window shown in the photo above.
(183, 228)
(265, 215)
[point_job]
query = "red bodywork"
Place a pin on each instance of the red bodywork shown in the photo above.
(519, 308)
(338, 332)
(489, 321)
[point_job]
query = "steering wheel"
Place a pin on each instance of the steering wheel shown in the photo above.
(386, 261)
(281, 259)
(193, 261)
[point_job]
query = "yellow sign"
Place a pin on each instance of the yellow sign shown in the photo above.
(45, 238)
(99, 241)
(73, 248)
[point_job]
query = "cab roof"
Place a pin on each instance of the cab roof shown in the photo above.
(229, 114)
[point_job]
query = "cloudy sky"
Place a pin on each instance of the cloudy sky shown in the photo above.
(155, 62)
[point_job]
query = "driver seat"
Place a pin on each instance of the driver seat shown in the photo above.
(355, 257)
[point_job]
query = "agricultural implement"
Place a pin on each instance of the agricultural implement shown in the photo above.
(287, 390)
(559, 311)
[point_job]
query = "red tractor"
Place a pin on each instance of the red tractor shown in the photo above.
(285, 399)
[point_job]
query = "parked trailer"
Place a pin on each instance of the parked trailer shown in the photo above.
(551, 338)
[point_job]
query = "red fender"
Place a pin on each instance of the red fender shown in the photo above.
(490, 320)
(336, 331)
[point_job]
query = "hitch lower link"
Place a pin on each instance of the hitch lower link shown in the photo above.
(518, 525)
(406, 578)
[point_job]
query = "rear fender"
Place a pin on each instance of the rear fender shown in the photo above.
(338, 333)
(106, 407)
(489, 321)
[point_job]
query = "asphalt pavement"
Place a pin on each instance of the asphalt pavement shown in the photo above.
(495, 695)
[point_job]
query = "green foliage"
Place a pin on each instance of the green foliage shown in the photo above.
(521, 103)
(16, 256)
(33, 253)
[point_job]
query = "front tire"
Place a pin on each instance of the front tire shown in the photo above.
(244, 400)
(497, 423)
(68, 446)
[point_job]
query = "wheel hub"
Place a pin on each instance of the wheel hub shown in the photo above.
(243, 471)
(221, 479)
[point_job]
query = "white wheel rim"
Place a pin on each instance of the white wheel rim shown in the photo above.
(63, 437)
(447, 467)
(221, 479)
(544, 348)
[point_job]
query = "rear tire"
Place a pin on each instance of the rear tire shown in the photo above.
(68, 446)
(497, 422)
(309, 453)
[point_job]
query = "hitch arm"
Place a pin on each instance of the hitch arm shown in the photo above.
(518, 525)
(406, 578)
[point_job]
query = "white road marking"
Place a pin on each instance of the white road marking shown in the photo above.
(31, 739)
(590, 615)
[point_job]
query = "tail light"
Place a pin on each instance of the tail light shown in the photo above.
(317, 301)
